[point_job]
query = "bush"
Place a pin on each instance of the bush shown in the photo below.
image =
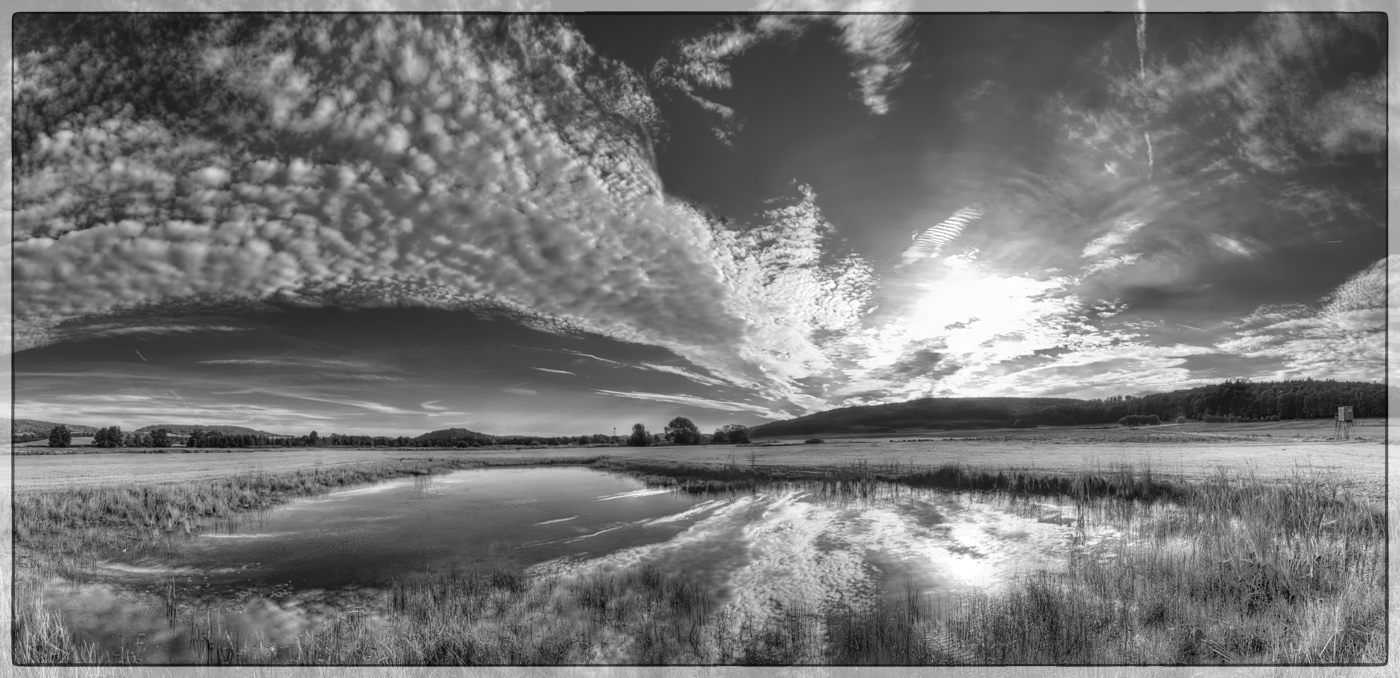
(815, 441)
(1181, 420)
(1140, 420)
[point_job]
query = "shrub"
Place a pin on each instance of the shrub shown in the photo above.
(1140, 420)
(815, 441)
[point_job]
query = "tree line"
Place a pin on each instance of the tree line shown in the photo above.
(1232, 400)
(681, 431)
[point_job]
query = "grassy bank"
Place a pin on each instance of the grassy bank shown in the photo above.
(1226, 570)
(57, 526)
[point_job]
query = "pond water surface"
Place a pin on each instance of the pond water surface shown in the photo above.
(756, 551)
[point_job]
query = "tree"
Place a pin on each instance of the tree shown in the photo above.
(160, 438)
(682, 431)
(59, 436)
(736, 433)
(719, 438)
(314, 439)
(108, 437)
(640, 437)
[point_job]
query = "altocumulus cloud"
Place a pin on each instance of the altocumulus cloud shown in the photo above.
(445, 161)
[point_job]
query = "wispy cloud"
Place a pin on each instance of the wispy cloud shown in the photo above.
(1114, 238)
(546, 369)
(1341, 336)
(319, 398)
(1266, 81)
(696, 401)
(873, 35)
(681, 371)
(519, 391)
(590, 357)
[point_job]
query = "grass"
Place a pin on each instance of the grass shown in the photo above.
(59, 531)
(1230, 569)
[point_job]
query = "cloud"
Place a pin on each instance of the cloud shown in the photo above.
(697, 378)
(546, 369)
(1115, 237)
(873, 35)
(1231, 245)
(301, 367)
(961, 328)
(695, 401)
(133, 411)
(929, 243)
(1272, 83)
(590, 357)
(516, 172)
(321, 398)
(1111, 263)
(520, 391)
(1342, 336)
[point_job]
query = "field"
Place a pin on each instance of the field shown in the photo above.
(1282, 567)
(1187, 452)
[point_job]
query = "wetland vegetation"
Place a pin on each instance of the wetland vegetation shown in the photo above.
(1229, 569)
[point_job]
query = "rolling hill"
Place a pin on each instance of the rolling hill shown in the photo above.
(455, 434)
(925, 413)
(27, 428)
(184, 429)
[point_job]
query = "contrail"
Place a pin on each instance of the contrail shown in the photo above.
(143, 358)
(1142, 38)
(1148, 138)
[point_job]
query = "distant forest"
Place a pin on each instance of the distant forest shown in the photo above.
(1229, 401)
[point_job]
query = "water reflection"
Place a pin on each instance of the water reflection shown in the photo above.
(275, 572)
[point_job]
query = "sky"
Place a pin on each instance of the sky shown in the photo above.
(566, 224)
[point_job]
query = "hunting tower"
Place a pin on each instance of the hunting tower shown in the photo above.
(1342, 426)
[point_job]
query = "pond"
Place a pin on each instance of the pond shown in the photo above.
(755, 552)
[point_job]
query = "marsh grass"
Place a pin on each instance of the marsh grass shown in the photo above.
(1233, 569)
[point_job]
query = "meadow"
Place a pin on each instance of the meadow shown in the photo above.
(1239, 551)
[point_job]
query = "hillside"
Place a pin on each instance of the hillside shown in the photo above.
(184, 429)
(934, 413)
(455, 434)
(1231, 401)
(33, 427)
